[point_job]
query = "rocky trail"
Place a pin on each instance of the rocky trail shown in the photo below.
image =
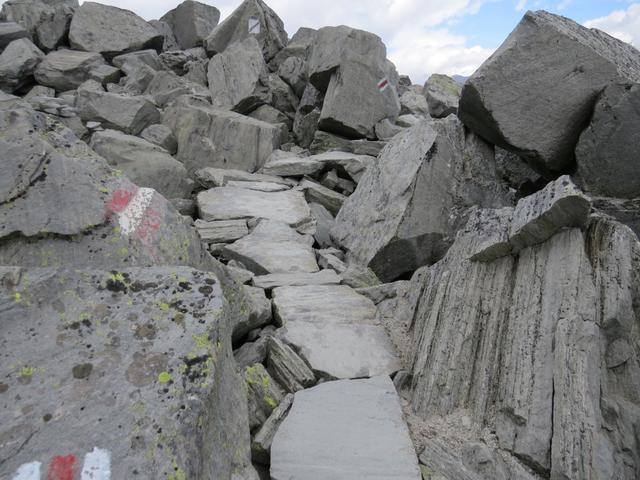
(230, 255)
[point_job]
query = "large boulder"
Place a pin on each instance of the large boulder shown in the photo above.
(128, 373)
(251, 18)
(145, 164)
(47, 21)
(608, 153)
(442, 94)
(10, 31)
(535, 94)
(111, 30)
(409, 204)
(238, 76)
(165, 87)
(61, 204)
(351, 67)
(191, 22)
(17, 63)
(208, 137)
(68, 69)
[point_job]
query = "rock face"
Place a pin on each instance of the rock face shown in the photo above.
(365, 413)
(442, 94)
(503, 100)
(350, 67)
(191, 22)
(409, 204)
(253, 18)
(609, 149)
(111, 31)
(46, 21)
(10, 31)
(68, 69)
(552, 328)
(156, 410)
(17, 63)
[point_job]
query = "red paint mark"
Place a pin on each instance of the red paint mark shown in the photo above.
(382, 84)
(61, 467)
(149, 225)
(119, 200)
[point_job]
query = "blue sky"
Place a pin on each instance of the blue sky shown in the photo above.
(430, 36)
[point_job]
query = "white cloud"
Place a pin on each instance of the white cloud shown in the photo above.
(622, 24)
(522, 4)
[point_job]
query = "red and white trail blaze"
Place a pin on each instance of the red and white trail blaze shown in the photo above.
(97, 466)
(383, 84)
(139, 212)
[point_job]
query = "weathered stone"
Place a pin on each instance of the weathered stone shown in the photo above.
(10, 31)
(300, 46)
(215, 138)
(169, 41)
(324, 224)
(258, 308)
(162, 136)
(251, 353)
(517, 173)
(357, 276)
(324, 141)
(191, 22)
(288, 368)
(46, 21)
(166, 86)
(283, 97)
(352, 164)
(120, 112)
(17, 63)
(321, 305)
(413, 103)
(128, 62)
(294, 71)
(220, 177)
(285, 164)
(259, 186)
(314, 192)
(305, 126)
(68, 69)
(358, 432)
(82, 333)
(609, 149)
(442, 94)
(111, 30)
(261, 443)
(572, 65)
(275, 280)
(409, 204)
(223, 231)
(253, 18)
(40, 91)
(385, 130)
(264, 395)
(266, 113)
(273, 247)
(238, 76)
(332, 258)
(228, 203)
(145, 164)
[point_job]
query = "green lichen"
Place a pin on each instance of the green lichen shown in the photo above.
(103, 189)
(27, 371)
(270, 401)
(164, 306)
(17, 297)
(164, 377)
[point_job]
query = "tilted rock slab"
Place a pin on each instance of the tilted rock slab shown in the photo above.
(10, 31)
(191, 22)
(358, 432)
(68, 69)
(17, 63)
(537, 91)
(409, 204)
(442, 94)
(122, 374)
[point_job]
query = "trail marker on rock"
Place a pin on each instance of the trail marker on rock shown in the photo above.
(383, 84)
(254, 25)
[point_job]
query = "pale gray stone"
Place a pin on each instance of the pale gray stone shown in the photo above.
(258, 308)
(222, 231)
(166, 86)
(169, 41)
(68, 69)
(220, 177)
(267, 113)
(17, 63)
(191, 22)
(353, 164)
(259, 186)
(324, 142)
(294, 71)
(10, 31)
(263, 394)
(442, 94)
(285, 164)
(288, 368)
(275, 280)
(413, 103)
(128, 62)
(316, 193)
(162, 136)
(261, 443)
(324, 224)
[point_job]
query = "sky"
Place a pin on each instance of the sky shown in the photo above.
(430, 36)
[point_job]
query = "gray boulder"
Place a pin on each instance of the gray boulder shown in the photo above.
(108, 349)
(165, 87)
(47, 21)
(351, 67)
(413, 103)
(169, 42)
(299, 47)
(120, 112)
(208, 137)
(129, 62)
(111, 30)
(409, 204)
(442, 94)
(294, 71)
(145, 164)
(17, 63)
(68, 69)
(162, 136)
(191, 22)
(251, 18)
(608, 153)
(540, 114)
(264, 395)
(10, 31)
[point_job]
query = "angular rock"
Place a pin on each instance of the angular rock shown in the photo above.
(261, 443)
(10, 31)
(237, 77)
(223, 231)
(215, 138)
(259, 186)
(264, 394)
(253, 18)
(442, 94)
(316, 193)
(409, 204)
(162, 136)
(273, 247)
(46, 21)
(275, 280)
(324, 224)
(258, 307)
(169, 41)
(40, 91)
(517, 173)
(305, 126)
(322, 305)
(352, 164)
(285, 164)
(300, 47)
(572, 65)
(191, 22)
(227, 203)
(68, 69)
(111, 30)
(294, 71)
(87, 337)
(17, 63)
(143, 163)
(357, 276)
(413, 103)
(120, 112)
(359, 432)
(385, 130)
(288, 368)
(266, 113)
(219, 177)
(165, 87)
(324, 142)
(609, 149)
(251, 353)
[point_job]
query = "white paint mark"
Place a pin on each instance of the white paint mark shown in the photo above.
(28, 471)
(254, 26)
(383, 84)
(133, 214)
(97, 465)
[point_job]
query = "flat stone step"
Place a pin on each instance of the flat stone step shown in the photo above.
(275, 280)
(222, 231)
(345, 430)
